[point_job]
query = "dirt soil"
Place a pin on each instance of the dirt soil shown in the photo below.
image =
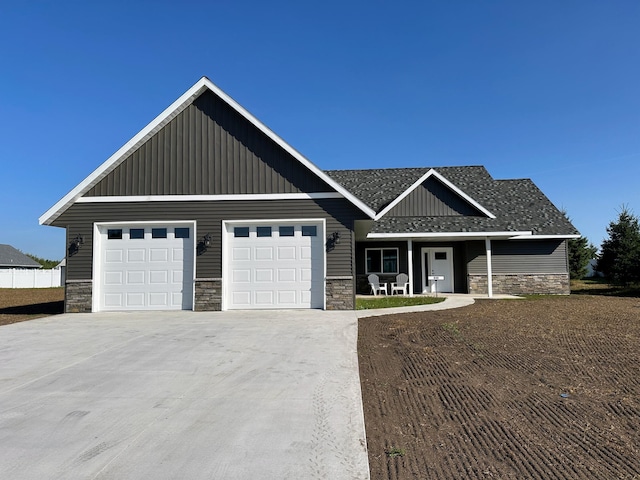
(539, 388)
(20, 304)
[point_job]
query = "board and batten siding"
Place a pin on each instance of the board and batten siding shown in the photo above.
(518, 256)
(338, 213)
(208, 149)
(432, 199)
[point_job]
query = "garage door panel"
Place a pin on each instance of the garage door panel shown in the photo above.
(274, 271)
(264, 253)
(135, 299)
(157, 273)
(136, 255)
(287, 253)
(113, 300)
(264, 275)
(113, 256)
(241, 253)
(158, 299)
(135, 277)
(286, 275)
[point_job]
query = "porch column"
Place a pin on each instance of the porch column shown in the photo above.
(410, 268)
(487, 243)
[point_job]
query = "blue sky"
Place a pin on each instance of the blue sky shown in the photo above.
(545, 90)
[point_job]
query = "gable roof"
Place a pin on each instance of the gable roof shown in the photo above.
(165, 117)
(517, 206)
(11, 257)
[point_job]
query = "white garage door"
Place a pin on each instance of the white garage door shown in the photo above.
(145, 267)
(275, 265)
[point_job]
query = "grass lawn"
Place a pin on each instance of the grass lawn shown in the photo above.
(389, 301)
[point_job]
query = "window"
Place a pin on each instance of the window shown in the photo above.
(309, 231)
(158, 233)
(136, 233)
(286, 231)
(440, 255)
(240, 232)
(382, 260)
(182, 232)
(263, 231)
(114, 234)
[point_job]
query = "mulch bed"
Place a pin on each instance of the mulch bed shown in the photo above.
(540, 388)
(20, 304)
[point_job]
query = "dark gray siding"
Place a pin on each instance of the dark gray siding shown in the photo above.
(339, 215)
(519, 256)
(432, 199)
(208, 149)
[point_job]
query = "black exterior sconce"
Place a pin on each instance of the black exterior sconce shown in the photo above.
(74, 245)
(204, 244)
(333, 240)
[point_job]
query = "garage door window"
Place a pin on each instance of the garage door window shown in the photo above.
(182, 233)
(136, 233)
(309, 231)
(114, 234)
(286, 231)
(242, 232)
(158, 233)
(263, 231)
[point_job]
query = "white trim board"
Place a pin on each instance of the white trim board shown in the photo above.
(210, 198)
(519, 235)
(160, 121)
(420, 181)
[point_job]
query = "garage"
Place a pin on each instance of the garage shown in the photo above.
(144, 266)
(275, 264)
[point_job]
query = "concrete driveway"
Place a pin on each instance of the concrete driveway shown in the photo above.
(182, 395)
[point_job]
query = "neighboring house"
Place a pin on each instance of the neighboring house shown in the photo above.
(208, 209)
(13, 258)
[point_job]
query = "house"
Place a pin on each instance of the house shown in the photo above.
(11, 257)
(207, 209)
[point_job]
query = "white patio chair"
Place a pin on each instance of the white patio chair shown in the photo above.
(376, 286)
(401, 285)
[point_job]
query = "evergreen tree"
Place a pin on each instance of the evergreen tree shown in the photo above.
(580, 253)
(620, 253)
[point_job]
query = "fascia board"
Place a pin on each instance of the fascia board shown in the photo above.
(419, 182)
(545, 237)
(167, 115)
(508, 235)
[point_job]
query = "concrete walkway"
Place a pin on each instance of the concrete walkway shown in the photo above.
(453, 301)
(231, 395)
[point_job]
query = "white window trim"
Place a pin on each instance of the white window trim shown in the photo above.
(380, 249)
(97, 259)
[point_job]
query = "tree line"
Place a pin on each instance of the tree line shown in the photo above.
(619, 257)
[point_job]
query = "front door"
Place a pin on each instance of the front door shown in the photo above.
(438, 264)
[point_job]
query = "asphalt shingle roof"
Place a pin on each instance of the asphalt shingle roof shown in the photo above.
(518, 205)
(13, 258)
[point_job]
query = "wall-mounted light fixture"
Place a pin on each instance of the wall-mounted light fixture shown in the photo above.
(332, 240)
(74, 245)
(204, 244)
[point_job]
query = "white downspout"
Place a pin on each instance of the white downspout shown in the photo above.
(487, 243)
(410, 260)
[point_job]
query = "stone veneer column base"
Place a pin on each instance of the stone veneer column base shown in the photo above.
(77, 296)
(521, 284)
(340, 293)
(208, 295)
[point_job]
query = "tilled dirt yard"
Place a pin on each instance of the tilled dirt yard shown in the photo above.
(19, 304)
(541, 388)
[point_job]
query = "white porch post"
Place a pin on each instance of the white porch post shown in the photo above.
(487, 243)
(410, 260)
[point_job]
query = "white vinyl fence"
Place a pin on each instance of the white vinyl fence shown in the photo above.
(30, 278)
